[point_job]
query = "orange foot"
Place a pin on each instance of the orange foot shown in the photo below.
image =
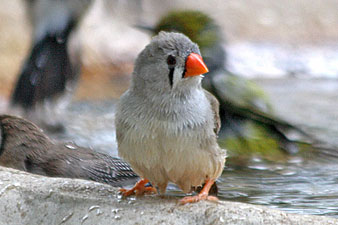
(139, 189)
(203, 195)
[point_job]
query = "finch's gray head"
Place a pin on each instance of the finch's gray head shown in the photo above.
(171, 61)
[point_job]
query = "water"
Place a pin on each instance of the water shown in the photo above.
(309, 187)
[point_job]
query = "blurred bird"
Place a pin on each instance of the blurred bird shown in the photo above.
(50, 72)
(248, 123)
(166, 123)
(24, 146)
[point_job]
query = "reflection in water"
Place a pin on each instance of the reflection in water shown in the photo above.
(307, 185)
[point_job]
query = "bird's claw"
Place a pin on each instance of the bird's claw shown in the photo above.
(203, 195)
(139, 189)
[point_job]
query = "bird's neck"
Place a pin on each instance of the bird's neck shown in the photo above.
(167, 101)
(183, 89)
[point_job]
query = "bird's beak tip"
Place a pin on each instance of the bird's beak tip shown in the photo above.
(195, 65)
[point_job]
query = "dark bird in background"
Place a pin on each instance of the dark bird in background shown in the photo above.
(50, 72)
(24, 146)
(248, 123)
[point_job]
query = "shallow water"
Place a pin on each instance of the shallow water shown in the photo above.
(298, 186)
(302, 184)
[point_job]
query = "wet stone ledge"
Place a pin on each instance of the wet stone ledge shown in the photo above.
(32, 199)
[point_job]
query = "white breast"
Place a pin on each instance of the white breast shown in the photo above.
(169, 140)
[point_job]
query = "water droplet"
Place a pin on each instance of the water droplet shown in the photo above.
(70, 146)
(50, 192)
(91, 208)
(67, 217)
(117, 217)
(132, 198)
(84, 218)
(115, 210)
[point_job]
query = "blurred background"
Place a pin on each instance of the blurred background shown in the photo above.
(264, 38)
(289, 49)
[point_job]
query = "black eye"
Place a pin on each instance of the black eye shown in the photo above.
(171, 60)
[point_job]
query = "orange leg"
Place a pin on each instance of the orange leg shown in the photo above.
(139, 189)
(203, 195)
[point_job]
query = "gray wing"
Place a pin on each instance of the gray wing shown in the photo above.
(87, 164)
(110, 170)
(215, 108)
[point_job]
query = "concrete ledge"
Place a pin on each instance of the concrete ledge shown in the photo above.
(32, 199)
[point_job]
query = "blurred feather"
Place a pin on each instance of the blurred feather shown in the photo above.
(46, 71)
(49, 73)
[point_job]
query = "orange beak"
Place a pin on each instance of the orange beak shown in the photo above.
(195, 66)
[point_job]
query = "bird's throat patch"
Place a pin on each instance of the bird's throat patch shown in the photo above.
(171, 76)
